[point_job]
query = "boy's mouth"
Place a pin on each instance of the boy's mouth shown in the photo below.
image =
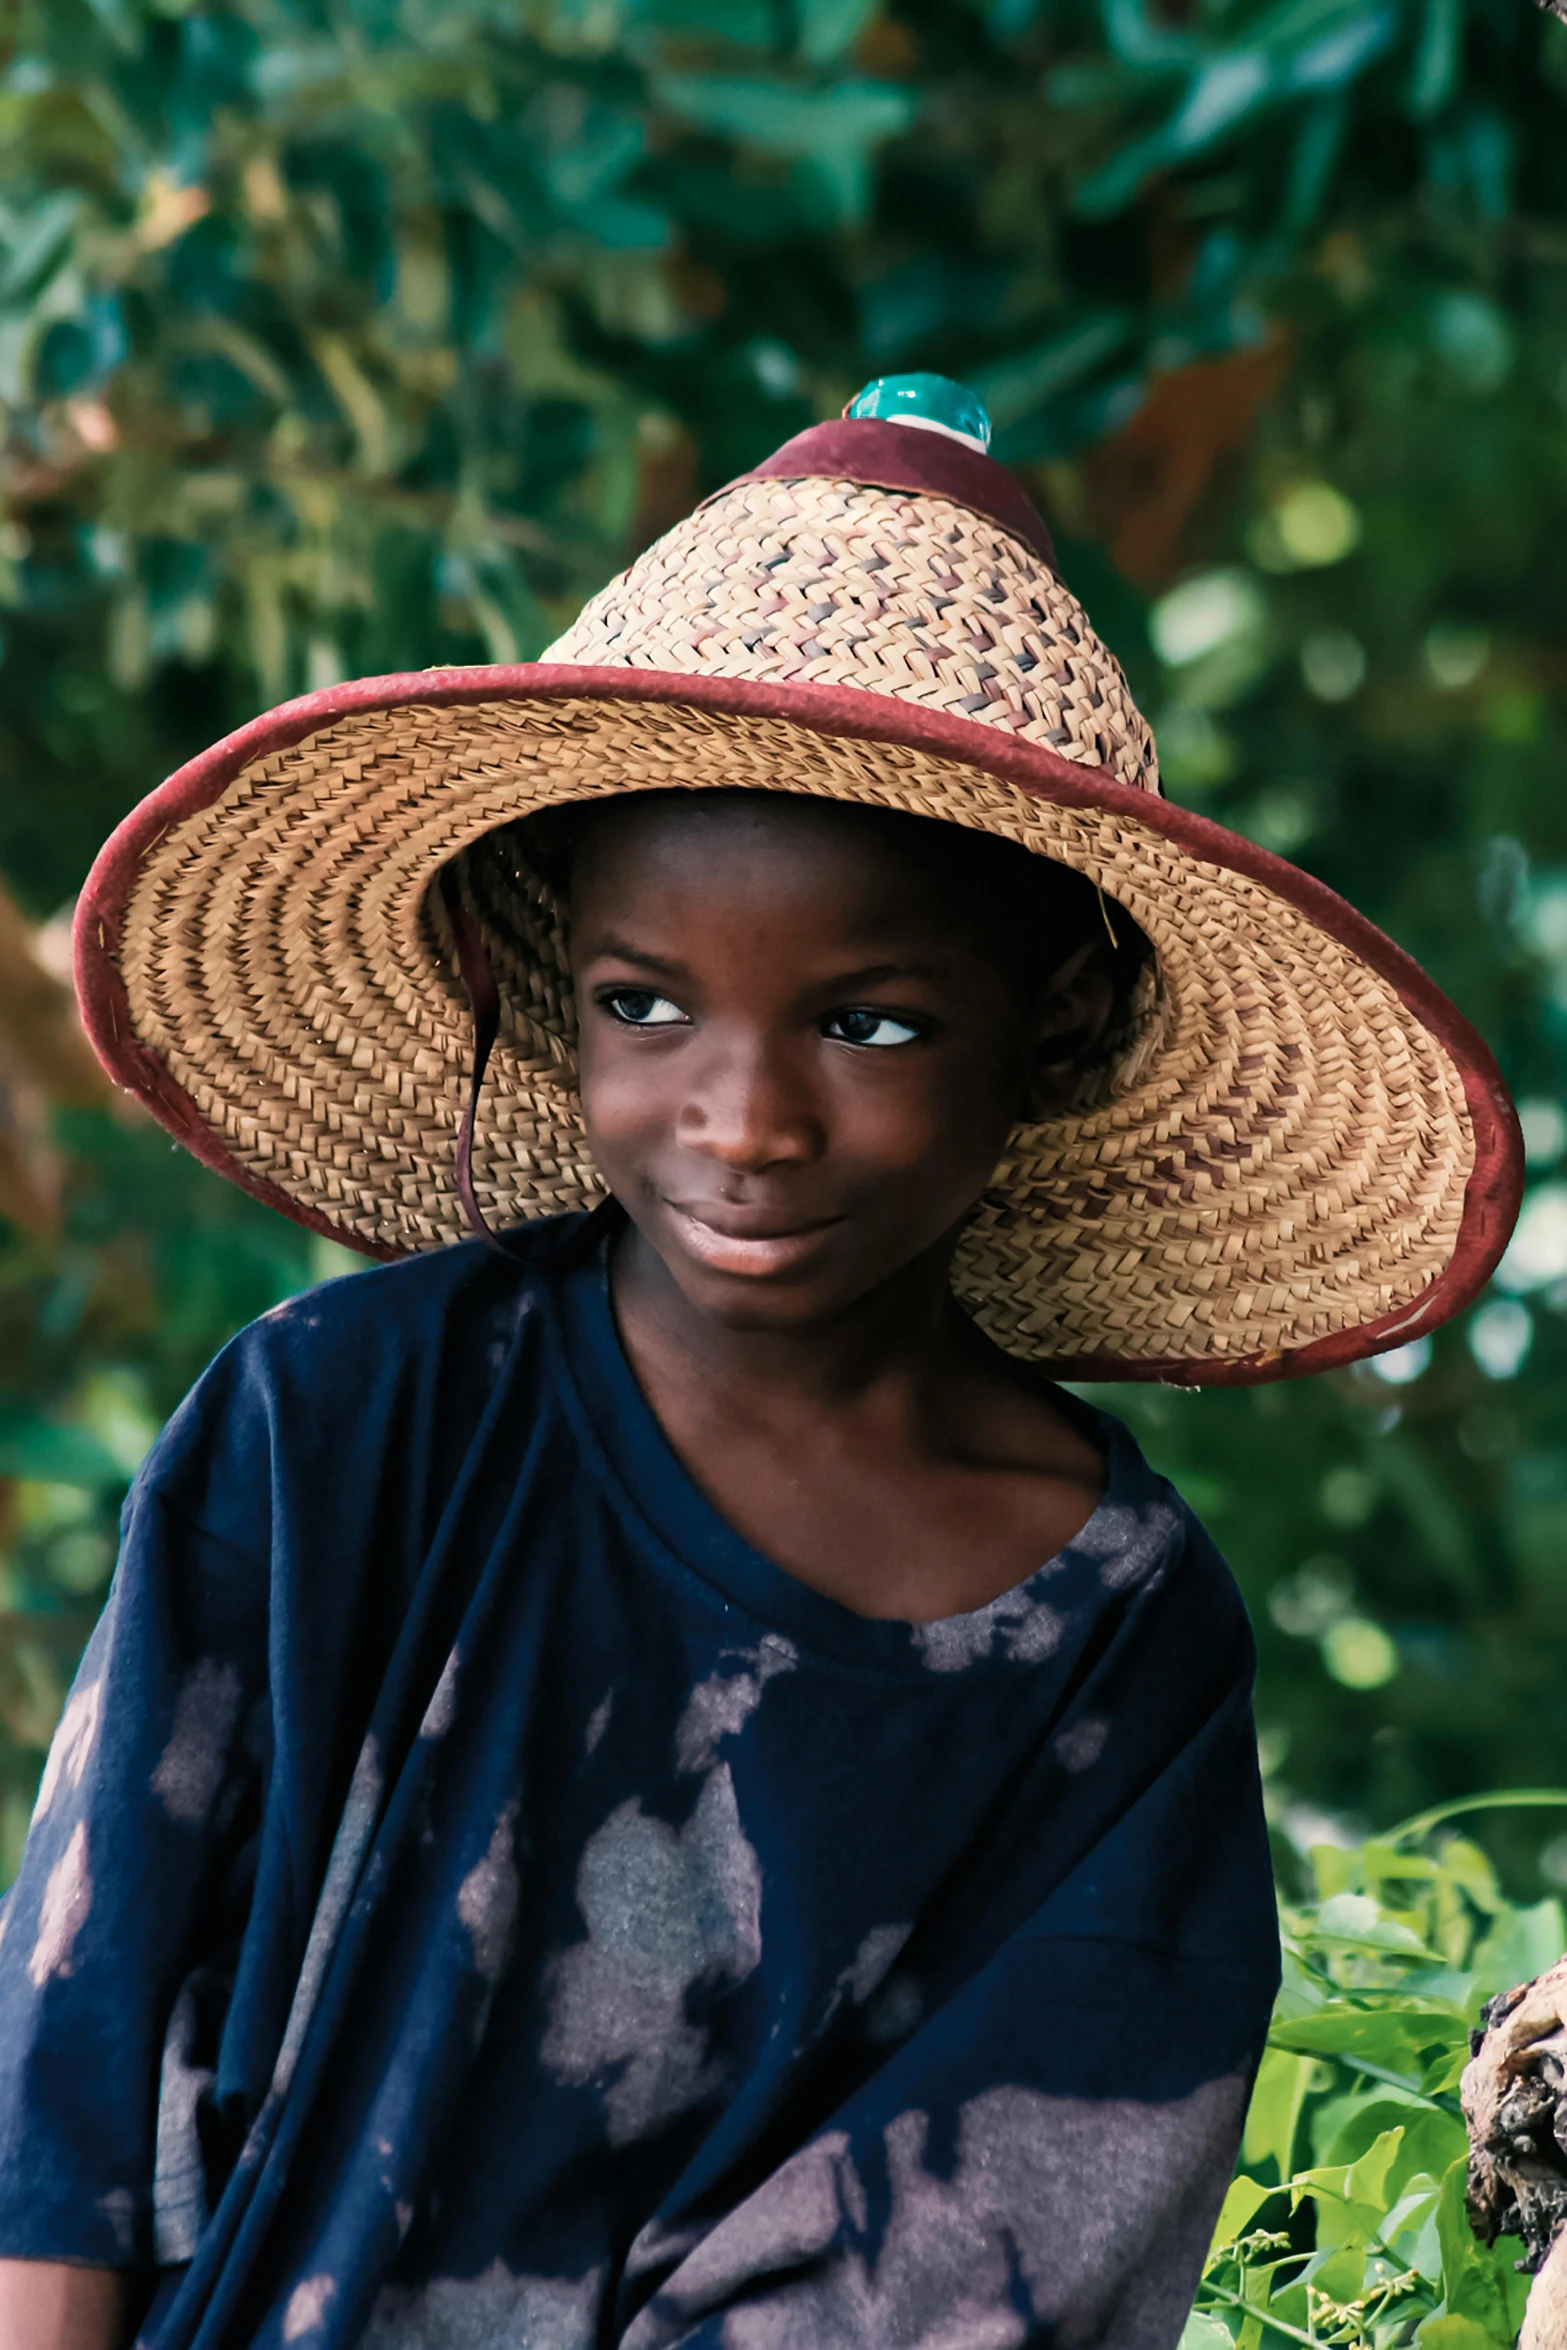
(748, 1241)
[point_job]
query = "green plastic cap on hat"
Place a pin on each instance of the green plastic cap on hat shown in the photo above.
(934, 402)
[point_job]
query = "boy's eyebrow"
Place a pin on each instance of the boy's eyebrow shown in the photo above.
(872, 974)
(624, 952)
(621, 950)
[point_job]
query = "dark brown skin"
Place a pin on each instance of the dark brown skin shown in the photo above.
(795, 1196)
(48, 2305)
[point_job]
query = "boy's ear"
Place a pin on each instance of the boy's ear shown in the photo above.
(1070, 1022)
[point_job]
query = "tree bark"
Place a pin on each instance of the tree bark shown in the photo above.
(1515, 2104)
(1545, 2321)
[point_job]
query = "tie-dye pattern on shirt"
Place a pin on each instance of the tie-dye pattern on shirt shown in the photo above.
(476, 1902)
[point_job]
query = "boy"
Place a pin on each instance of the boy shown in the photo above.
(652, 1783)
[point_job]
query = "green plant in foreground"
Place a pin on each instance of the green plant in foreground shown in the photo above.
(1345, 2225)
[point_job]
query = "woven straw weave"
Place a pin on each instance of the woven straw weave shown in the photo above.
(1279, 1154)
(821, 582)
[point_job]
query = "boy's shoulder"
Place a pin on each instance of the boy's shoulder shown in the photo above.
(361, 1353)
(403, 1312)
(410, 1302)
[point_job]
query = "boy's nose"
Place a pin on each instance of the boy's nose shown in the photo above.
(748, 1110)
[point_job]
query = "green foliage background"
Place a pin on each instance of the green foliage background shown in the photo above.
(1345, 2224)
(353, 335)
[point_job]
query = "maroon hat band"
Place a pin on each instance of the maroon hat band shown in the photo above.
(910, 457)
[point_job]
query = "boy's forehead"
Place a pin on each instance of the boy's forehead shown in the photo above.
(677, 867)
(734, 813)
(750, 837)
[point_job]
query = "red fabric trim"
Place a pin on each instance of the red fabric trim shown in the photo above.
(1495, 1187)
(901, 457)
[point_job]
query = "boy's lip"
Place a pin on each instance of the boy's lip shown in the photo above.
(737, 1240)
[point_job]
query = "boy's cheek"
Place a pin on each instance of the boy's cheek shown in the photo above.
(944, 1136)
(621, 1108)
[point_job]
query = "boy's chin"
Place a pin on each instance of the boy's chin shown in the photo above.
(750, 1301)
(809, 1293)
(779, 1311)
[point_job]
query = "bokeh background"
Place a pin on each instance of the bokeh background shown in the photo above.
(352, 335)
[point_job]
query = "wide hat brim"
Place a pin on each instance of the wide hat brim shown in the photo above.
(1304, 1156)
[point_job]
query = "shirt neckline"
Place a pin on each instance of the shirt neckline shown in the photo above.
(652, 1484)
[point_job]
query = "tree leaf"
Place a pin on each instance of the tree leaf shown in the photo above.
(1452, 2332)
(1395, 2037)
(788, 120)
(1480, 2283)
(1274, 2113)
(1203, 2331)
(1244, 2198)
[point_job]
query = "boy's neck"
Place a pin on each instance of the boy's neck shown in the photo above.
(891, 1458)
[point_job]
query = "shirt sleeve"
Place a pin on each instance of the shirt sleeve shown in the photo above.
(134, 1876)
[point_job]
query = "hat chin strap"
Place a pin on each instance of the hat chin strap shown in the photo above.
(477, 974)
(484, 1004)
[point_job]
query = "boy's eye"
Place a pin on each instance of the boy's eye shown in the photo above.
(857, 1026)
(639, 1007)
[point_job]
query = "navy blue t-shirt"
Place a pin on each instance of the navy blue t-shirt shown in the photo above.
(475, 1899)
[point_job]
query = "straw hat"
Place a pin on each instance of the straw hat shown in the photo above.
(1299, 1155)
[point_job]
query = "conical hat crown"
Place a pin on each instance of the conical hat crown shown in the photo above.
(869, 555)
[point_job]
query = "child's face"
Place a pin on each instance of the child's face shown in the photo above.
(798, 1066)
